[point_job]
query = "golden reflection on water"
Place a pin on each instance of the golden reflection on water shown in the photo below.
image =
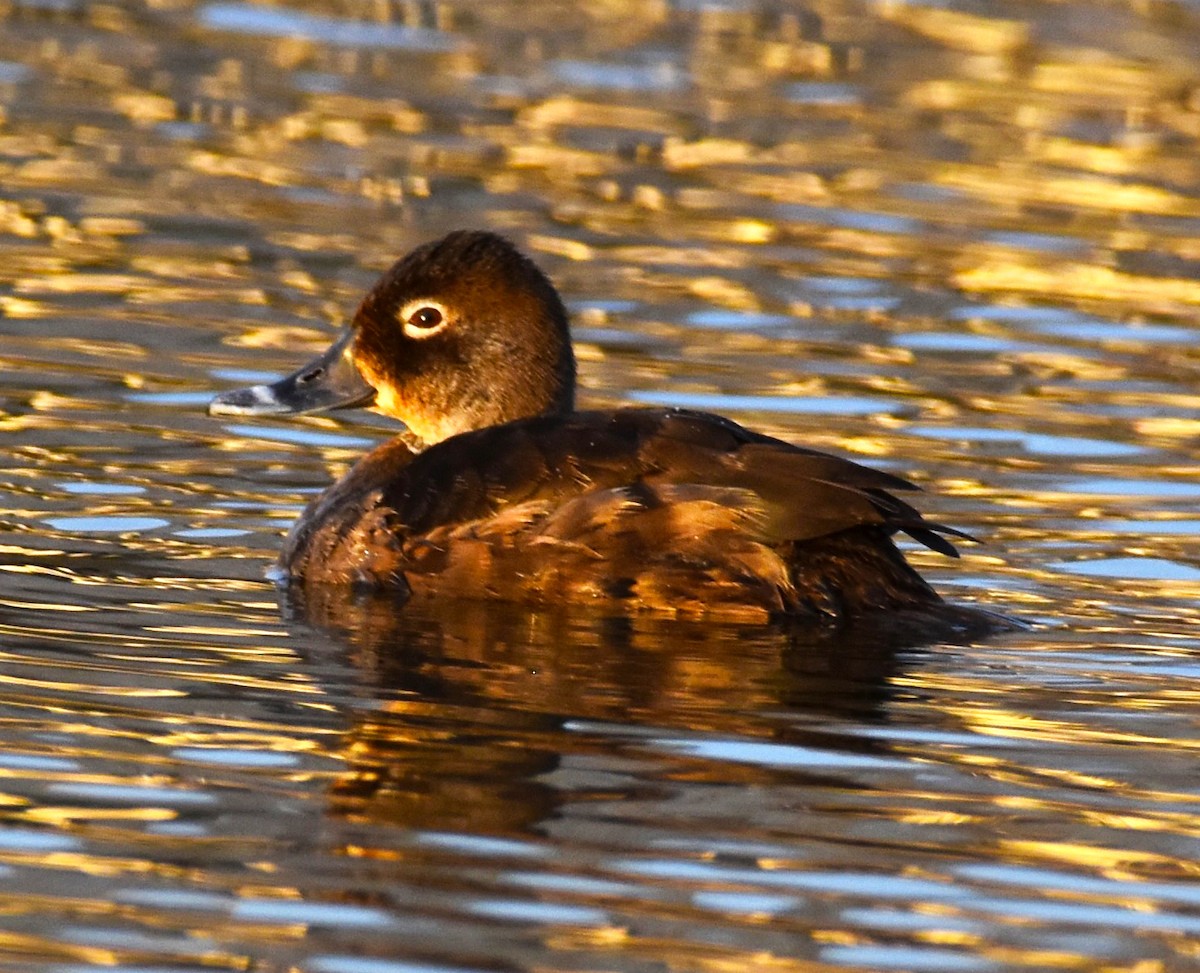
(959, 243)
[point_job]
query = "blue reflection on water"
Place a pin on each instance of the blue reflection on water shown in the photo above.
(776, 754)
(1068, 323)
(821, 93)
(1041, 242)
(851, 219)
(278, 22)
(1118, 487)
(748, 903)
(1141, 526)
(210, 533)
(335, 914)
(12, 72)
(87, 486)
(133, 795)
(956, 341)
(626, 77)
(1143, 568)
(1038, 878)
(106, 525)
(481, 845)
(23, 839)
(200, 399)
(226, 757)
(302, 437)
(739, 320)
(905, 957)
(1039, 444)
(845, 405)
(557, 913)
(371, 964)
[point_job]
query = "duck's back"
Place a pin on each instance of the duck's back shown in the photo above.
(663, 509)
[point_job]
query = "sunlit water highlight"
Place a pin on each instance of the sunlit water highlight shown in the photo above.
(954, 241)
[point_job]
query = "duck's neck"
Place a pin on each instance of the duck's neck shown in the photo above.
(545, 389)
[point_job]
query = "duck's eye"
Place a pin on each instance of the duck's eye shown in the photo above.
(426, 317)
(420, 319)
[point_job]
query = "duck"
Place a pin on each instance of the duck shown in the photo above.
(499, 488)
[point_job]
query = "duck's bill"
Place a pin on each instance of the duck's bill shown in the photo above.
(331, 381)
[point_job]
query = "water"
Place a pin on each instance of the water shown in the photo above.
(954, 241)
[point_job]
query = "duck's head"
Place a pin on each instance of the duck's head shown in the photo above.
(461, 334)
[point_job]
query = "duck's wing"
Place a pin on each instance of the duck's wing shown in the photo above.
(807, 493)
(652, 458)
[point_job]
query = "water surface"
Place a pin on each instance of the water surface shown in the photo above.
(956, 241)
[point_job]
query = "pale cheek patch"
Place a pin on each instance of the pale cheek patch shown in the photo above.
(386, 402)
(427, 428)
(391, 404)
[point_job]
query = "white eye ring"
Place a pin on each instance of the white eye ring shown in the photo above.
(410, 315)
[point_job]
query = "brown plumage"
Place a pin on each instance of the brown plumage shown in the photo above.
(501, 490)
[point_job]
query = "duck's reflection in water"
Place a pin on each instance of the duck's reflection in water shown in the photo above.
(488, 717)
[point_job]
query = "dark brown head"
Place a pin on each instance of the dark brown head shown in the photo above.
(461, 334)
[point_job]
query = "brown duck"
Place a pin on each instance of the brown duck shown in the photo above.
(499, 489)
